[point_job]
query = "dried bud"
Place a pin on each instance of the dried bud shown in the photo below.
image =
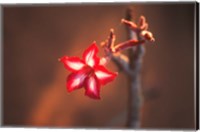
(147, 35)
(103, 44)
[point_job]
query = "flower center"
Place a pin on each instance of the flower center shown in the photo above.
(89, 71)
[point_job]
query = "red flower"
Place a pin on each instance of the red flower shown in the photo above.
(87, 73)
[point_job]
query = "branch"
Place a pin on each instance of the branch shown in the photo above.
(131, 64)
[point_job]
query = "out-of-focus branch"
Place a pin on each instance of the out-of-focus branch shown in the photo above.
(131, 64)
(135, 56)
(135, 64)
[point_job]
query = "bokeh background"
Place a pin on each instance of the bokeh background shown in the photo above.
(34, 92)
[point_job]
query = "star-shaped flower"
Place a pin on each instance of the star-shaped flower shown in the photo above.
(87, 73)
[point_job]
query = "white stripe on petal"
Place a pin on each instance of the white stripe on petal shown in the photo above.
(75, 65)
(92, 84)
(75, 82)
(78, 80)
(91, 62)
(89, 58)
(102, 75)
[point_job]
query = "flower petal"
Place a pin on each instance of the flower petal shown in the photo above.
(103, 75)
(72, 63)
(92, 87)
(90, 55)
(76, 80)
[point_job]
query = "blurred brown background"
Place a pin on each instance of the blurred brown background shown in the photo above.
(34, 92)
